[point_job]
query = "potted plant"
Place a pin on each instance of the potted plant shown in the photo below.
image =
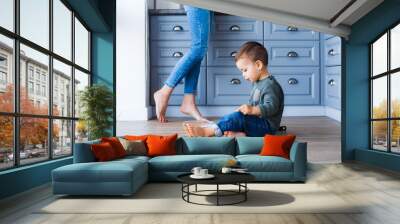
(96, 103)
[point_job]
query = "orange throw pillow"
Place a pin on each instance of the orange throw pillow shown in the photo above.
(277, 145)
(136, 137)
(116, 145)
(161, 145)
(103, 152)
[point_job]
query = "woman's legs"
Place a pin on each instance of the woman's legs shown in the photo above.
(188, 66)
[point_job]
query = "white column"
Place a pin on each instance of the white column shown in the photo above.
(132, 61)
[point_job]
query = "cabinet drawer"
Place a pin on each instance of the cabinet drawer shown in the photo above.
(226, 86)
(160, 74)
(222, 53)
(169, 28)
(282, 32)
(300, 85)
(236, 28)
(333, 51)
(293, 53)
(333, 86)
(168, 53)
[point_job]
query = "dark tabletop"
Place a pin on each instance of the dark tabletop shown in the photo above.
(220, 178)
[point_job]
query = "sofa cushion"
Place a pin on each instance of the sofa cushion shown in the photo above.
(257, 163)
(134, 147)
(185, 163)
(116, 145)
(207, 145)
(103, 152)
(159, 145)
(111, 171)
(277, 145)
(83, 152)
(249, 145)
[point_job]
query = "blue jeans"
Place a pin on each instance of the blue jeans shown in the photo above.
(252, 125)
(188, 66)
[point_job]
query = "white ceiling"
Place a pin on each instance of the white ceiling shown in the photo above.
(318, 15)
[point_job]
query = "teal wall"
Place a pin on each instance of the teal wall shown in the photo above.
(356, 99)
(99, 15)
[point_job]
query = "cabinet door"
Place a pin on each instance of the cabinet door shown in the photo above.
(168, 53)
(282, 32)
(160, 74)
(164, 27)
(300, 85)
(222, 53)
(293, 53)
(333, 51)
(333, 86)
(226, 86)
(225, 27)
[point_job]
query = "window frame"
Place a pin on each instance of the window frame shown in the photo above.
(388, 74)
(16, 114)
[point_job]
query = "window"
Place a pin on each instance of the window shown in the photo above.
(45, 131)
(81, 45)
(6, 73)
(7, 14)
(385, 94)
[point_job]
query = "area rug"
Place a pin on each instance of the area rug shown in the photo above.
(167, 198)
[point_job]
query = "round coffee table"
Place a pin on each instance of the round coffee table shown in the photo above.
(238, 179)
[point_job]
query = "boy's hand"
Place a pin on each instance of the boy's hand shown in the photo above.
(245, 109)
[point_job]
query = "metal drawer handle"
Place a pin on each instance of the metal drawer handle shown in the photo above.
(233, 54)
(235, 82)
(332, 82)
(234, 28)
(293, 81)
(177, 54)
(292, 28)
(331, 52)
(177, 28)
(292, 54)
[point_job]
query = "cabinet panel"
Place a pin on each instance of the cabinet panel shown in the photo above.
(160, 74)
(169, 28)
(222, 53)
(293, 53)
(333, 51)
(282, 32)
(300, 85)
(333, 86)
(226, 86)
(168, 53)
(235, 28)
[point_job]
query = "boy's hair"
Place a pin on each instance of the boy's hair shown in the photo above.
(254, 51)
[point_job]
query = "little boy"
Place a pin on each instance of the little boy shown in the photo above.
(262, 115)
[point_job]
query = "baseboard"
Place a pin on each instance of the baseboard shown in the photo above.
(218, 111)
(333, 113)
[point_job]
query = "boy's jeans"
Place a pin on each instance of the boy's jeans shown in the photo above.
(252, 125)
(188, 66)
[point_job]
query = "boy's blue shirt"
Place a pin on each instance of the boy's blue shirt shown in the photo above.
(268, 95)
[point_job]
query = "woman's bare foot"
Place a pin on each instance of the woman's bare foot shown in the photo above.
(161, 98)
(189, 107)
(234, 134)
(194, 130)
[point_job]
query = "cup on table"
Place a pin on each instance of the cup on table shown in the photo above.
(226, 170)
(196, 170)
(203, 172)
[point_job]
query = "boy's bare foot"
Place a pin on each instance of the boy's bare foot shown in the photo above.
(161, 101)
(189, 107)
(234, 134)
(195, 130)
(185, 128)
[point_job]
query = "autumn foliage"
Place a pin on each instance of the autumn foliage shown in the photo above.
(33, 131)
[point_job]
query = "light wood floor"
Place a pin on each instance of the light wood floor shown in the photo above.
(322, 134)
(377, 189)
